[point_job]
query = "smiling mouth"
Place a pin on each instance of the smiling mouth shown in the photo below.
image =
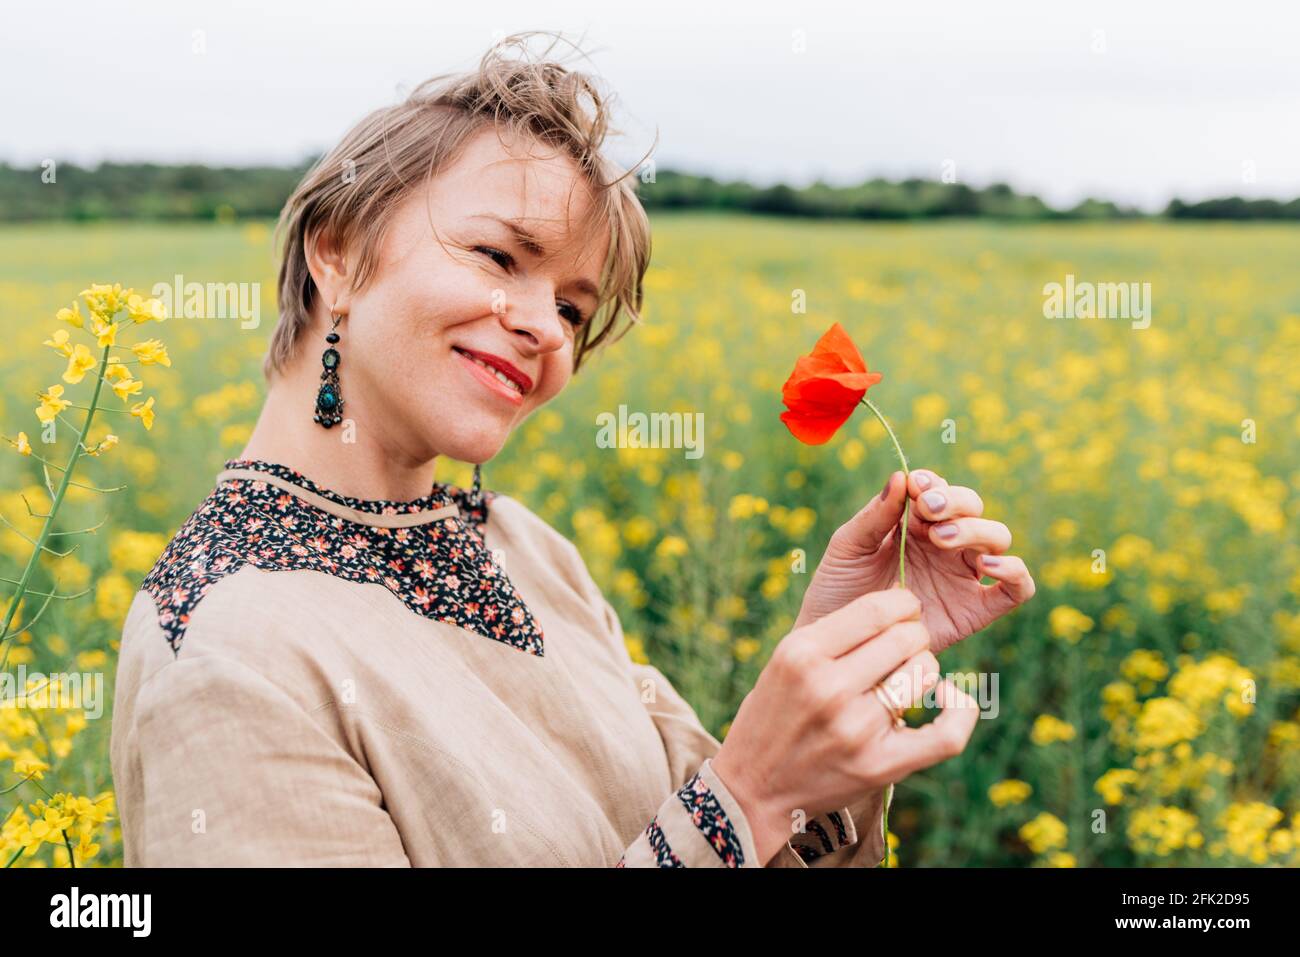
(507, 380)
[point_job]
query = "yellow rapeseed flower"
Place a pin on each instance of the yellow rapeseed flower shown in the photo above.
(638, 531)
(799, 522)
(1062, 531)
(104, 331)
(1246, 826)
(636, 649)
(1163, 722)
(58, 341)
(81, 361)
(144, 412)
(1047, 832)
(1049, 729)
(72, 316)
(125, 388)
(1162, 829)
(145, 310)
(110, 440)
(1069, 624)
(1144, 666)
(151, 352)
(105, 300)
(1218, 678)
(745, 506)
(1111, 784)
(52, 403)
(116, 370)
(132, 551)
(1009, 792)
(113, 596)
(671, 546)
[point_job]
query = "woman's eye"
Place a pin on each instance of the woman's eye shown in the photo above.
(502, 259)
(506, 261)
(574, 314)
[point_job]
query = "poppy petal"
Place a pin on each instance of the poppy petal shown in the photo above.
(813, 429)
(825, 387)
(836, 342)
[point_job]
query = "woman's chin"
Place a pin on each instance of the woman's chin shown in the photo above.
(477, 448)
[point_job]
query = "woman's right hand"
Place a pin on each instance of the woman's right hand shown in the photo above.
(812, 736)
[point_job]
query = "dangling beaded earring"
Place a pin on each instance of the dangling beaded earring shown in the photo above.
(329, 400)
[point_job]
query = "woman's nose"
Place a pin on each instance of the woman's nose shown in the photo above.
(536, 317)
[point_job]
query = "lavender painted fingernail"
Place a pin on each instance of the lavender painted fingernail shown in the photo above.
(922, 481)
(946, 531)
(934, 501)
(991, 561)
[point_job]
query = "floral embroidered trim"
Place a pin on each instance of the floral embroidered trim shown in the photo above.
(812, 827)
(712, 821)
(806, 852)
(809, 850)
(841, 833)
(440, 569)
(438, 496)
(664, 856)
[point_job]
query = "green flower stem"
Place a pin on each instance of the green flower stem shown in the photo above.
(902, 551)
(77, 451)
(907, 500)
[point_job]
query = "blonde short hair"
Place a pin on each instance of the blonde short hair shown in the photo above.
(352, 191)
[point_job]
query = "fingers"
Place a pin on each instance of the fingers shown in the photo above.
(981, 534)
(917, 675)
(874, 661)
(910, 749)
(950, 501)
(862, 534)
(1014, 585)
(919, 480)
(865, 617)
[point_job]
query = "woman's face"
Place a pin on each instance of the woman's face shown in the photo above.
(460, 302)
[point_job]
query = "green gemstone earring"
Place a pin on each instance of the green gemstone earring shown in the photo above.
(329, 400)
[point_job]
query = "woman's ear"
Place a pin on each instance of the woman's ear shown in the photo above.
(328, 266)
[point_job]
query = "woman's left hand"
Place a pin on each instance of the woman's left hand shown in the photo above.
(950, 545)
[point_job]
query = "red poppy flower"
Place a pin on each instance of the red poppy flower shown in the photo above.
(825, 387)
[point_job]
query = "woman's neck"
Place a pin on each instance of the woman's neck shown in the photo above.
(348, 459)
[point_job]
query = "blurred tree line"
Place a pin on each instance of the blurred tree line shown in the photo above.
(155, 192)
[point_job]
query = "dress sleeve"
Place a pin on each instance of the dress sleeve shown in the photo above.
(233, 772)
(702, 825)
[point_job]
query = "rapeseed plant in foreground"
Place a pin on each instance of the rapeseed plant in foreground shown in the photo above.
(38, 724)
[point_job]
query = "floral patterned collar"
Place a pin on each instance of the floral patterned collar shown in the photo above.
(440, 496)
(429, 552)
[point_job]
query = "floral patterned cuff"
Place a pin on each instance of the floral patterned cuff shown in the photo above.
(699, 825)
(824, 834)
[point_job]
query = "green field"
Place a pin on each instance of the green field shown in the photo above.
(1172, 677)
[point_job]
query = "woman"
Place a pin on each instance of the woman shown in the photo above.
(334, 663)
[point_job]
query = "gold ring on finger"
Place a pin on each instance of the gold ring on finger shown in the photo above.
(891, 704)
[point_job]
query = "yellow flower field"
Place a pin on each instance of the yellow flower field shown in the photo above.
(1146, 699)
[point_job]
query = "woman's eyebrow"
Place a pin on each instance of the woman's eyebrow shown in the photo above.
(525, 238)
(534, 246)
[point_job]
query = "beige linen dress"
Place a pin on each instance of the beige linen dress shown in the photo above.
(307, 679)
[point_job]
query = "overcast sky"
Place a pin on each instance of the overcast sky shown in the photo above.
(1135, 102)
